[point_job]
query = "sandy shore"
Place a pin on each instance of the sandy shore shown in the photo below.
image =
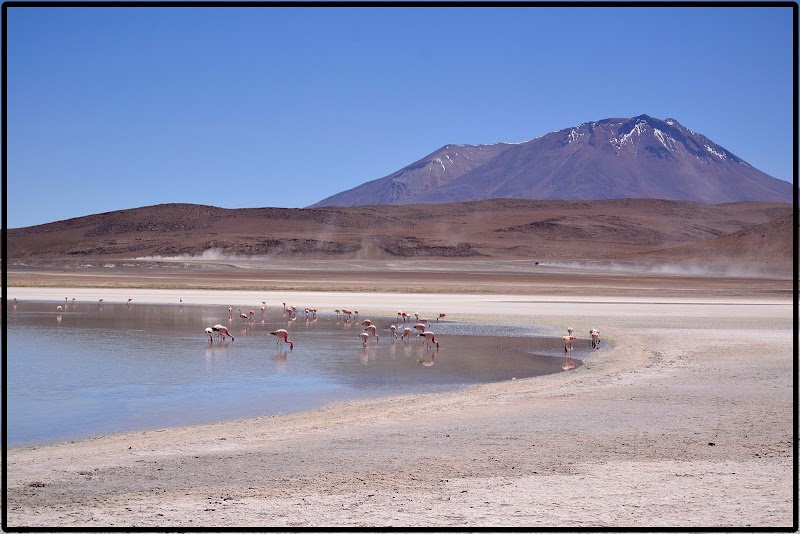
(686, 421)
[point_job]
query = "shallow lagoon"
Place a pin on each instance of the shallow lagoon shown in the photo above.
(95, 369)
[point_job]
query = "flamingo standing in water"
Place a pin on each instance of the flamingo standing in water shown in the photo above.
(373, 331)
(568, 342)
(441, 316)
(393, 330)
(420, 327)
(595, 333)
(430, 338)
(406, 333)
(282, 334)
(222, 331)
(210, 334)
(364, 337)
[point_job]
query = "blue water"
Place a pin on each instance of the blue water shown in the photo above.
(94, 370)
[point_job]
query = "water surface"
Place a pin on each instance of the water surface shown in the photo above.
(95, 369)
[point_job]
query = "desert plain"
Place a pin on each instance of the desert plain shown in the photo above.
(683, 419)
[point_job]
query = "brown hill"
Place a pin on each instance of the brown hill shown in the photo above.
(622, 229)
(763, 244)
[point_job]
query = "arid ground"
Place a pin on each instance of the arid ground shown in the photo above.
(684, 417)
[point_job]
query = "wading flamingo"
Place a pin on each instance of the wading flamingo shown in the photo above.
(282, 334)
(210, 334)
(393, 330)
(366, 322)
(441, 316)
(373, 331)
(406, 333)
(222, 331)
(364, 337)
(430, 338)
(595, 338)
(420, 327)
(568, 342)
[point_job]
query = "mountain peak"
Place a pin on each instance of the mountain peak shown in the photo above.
(637, 157)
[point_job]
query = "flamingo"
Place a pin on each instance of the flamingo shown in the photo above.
(373, 331)
(366, 322)
(430, 338)
(59, 309)
(595, 338)
(441, 316)
(222, 331)
(393, 329)
(210, 334)
(282, 334)
(406, 333)
(99, 302)
(364, 337)
(242, 315)
(568, 342)
(420, 327)
(129, 301)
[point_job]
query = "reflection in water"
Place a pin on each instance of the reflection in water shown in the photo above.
(428, 360)
(105, 367)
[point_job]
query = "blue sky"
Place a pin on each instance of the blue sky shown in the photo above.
(115, 108)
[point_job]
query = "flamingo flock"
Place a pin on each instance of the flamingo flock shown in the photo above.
(370, 331)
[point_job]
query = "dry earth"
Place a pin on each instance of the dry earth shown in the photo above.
(626, 230)
(684, 419)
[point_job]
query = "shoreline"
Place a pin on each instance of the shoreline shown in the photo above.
(692, 405)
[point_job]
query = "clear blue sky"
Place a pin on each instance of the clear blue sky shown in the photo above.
(114, 108)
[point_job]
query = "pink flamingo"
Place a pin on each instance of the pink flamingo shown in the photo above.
(222, 331)
(420, 327)
(568, 342)
(406, 333)
(430, 338)
(282, 334)
(402, 315)
(441, 316)
(373, 331)
(210, 334)
(364, 337)
(595, 338)
(366, 322)
(393, 329)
